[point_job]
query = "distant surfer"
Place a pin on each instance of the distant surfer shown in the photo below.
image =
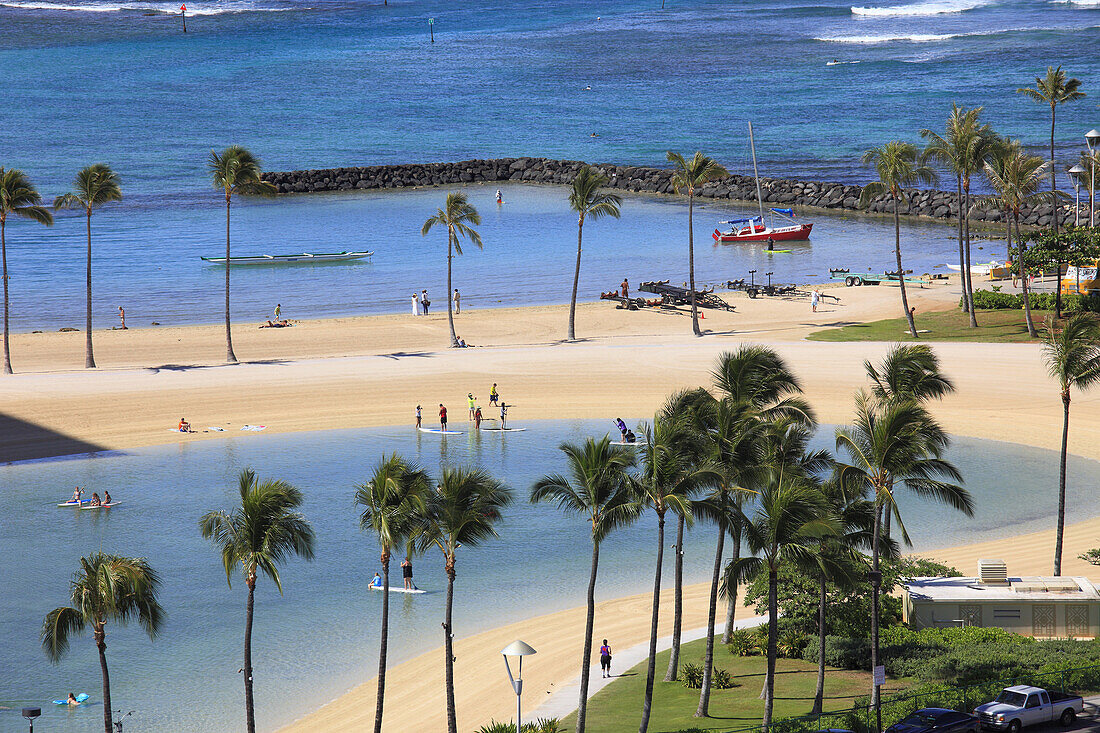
(418, 417)
(500, 197)
(588, 88)
(622, 427)
(376, 581)
(407, 574)
(442, 417)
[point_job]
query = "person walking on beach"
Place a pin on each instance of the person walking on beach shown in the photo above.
(815, 298)
(424, 302)
(477, 418)
(457, 299)
(278, 311)
(407, 574)
(416, 304)
(418, 417)
(626, 288)
(605, 659)
(493, 396)
(122, 317)
(442, 417)
(473, 403)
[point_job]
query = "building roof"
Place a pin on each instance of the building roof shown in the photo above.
(1032, 589)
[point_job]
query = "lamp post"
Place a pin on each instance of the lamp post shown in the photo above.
(516, 649)
(1092, 137)
(30, 714)
(1075, 174)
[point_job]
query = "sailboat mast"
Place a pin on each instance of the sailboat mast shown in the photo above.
(756, 173)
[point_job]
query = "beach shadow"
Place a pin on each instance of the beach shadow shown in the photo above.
(833, 324)
(403, 354)
(21, 440)
(192, 367)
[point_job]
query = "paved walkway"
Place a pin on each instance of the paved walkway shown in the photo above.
(563, 701)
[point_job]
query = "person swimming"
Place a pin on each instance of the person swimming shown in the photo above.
(71, 700)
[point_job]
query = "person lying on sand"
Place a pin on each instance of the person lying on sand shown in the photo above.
(277, 324)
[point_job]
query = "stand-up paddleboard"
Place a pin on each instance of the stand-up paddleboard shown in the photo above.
(70, 502)
(101, 506)
(82, 697)
(778, 251)
(504, 430)
(636, 444)
(401, 589)
(437, 431)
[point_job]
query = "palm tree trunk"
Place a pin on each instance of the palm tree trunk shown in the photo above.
(773, 634)
(731, 608)
(901, 274)
(586, 653)
(448, 649)
(703, 711)
(1008, 236)
(89, 359)
(229, 355)
(966, 270)
(576, 280)
(249, 703)
(1062, 484)
(647, 702)
(819, 693)
(677, 604)
(450, 311)
(876, 585)
(962, 256)
(383, 648)
(1023, 278)
(101, 645)
(4, 257)
(1053, 178)
(691, 264)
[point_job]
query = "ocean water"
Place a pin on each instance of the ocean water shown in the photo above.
(320, 637)
(319, 83)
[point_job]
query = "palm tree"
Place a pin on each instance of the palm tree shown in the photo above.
(1053, 89)
(93, 186)
(789, 520)
(257, 536)
(689, 175)
(586, 199)
(666, 481)
(908, 372)
(106, 588)
(897, 166)
(894, 445)
(1073, 358)
(235, 170)
(457, 215)
(462, 512)
(963, 149)
(1015, 178)
(393, 511)
(17, 196)
(597, 490)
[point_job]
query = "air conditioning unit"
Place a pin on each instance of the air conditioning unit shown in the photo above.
(992, 572)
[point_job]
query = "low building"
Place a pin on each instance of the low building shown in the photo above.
(1046, 608)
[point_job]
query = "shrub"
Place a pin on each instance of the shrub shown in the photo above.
(843, 652)
(1072, 302)
(542, 725)
(791, 643)
(721, 679)
(743, 643)
(691, 675)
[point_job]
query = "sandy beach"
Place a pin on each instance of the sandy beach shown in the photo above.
(361, 372)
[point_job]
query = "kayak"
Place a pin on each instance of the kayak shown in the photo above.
(101, 506)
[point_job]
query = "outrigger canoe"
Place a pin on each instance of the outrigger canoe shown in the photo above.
(303, 258)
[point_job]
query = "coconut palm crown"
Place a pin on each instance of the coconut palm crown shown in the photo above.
(459, 217)
(19, 197)
(588, 202)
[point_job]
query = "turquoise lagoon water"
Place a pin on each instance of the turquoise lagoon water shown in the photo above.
(319, 639)
(319, 83)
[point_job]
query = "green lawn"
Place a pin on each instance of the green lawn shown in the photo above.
(952, 325)
(618, 706)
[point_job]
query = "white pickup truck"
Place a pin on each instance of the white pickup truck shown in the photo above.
(1020, 706)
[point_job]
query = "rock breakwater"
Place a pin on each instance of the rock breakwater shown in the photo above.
(776, 191)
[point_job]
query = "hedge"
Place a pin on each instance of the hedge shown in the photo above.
(1072, 302)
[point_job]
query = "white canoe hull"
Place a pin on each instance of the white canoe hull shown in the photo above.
(303, 258)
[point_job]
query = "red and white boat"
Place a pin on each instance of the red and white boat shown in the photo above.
(755, 229)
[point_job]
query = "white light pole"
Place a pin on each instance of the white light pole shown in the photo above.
(1075, 174)
(516, 649)
(1092, 137)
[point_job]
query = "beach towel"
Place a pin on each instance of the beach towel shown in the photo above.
(214, 429)
(253, 428)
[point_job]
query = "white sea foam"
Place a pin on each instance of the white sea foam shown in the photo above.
(158, 7)
(926, 7)
(888, 37)
(1078, 3)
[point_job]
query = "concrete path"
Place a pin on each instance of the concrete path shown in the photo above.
(564, 699)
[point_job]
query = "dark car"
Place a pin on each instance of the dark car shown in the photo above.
(929, 720)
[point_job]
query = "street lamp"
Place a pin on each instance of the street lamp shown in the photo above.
(1092, 137)
(30, 714)
(1075, 174)
(516, 649)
